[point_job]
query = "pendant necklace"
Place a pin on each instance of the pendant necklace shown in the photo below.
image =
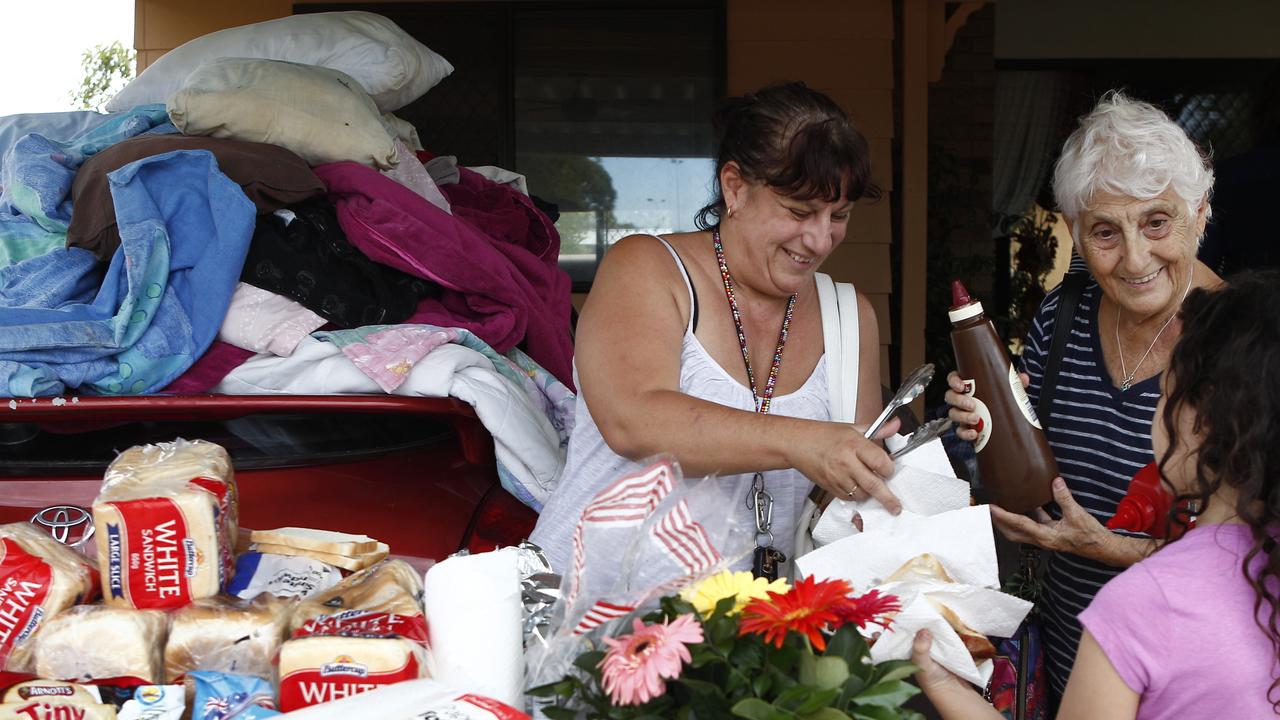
(767, 558)
(1127, 379)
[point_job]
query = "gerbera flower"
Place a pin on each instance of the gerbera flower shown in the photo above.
(741, 585)
(872, 607)
(635, 668)
(809, 607)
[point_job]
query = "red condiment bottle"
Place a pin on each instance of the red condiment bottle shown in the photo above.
(1014, 460)
(1145, 508)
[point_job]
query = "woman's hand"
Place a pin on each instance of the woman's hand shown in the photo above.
(844, 463)
(1078, 532)
(962, 406)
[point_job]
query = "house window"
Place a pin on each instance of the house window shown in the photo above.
(604, 107)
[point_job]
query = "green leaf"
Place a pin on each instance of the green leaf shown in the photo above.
(891, 670)
(874, 713)
(753, 709)
(852, 687)
(831, 673)
(847, 643)
(817, 700)
(559, 713)
(793, 697)
(563, 688)
(724, 605)
(826, 713)
(887, 694)
(807, 669)
(589, 662)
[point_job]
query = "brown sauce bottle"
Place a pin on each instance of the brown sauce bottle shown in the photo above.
(1014, 460)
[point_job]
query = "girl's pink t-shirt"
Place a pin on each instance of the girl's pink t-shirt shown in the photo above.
(1179, 629)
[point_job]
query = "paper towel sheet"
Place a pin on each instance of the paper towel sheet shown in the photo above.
(921, 491)
(961, 540)
(987, 611)
(948, 649)
(473, 609)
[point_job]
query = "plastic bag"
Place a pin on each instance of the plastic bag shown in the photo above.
(364, 632)
(411, 701)
(166, 524)
(662, 532)
(225, 635)
(226, 696)
(95, 643)
(39, 578)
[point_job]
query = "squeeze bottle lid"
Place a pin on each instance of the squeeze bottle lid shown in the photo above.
(1145, 507)
(963, 307)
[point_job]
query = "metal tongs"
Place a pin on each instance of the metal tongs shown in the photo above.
(923, 434)
(911, 387)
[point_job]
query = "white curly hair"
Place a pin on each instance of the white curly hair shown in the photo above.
(1129, 147)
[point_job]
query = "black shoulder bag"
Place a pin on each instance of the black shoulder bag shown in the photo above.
(1029, 556)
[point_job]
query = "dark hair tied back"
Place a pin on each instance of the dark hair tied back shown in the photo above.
(795, 140)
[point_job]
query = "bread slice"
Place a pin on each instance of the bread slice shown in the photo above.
(325, 541)
(358, 562)
(979, 647)
(921, 568)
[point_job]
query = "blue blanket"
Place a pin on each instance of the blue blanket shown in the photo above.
(35, 205)
(64, 324)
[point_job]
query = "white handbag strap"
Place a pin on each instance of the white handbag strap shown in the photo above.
(838, 304)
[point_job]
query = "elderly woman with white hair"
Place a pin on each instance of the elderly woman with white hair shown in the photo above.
(1134, 191)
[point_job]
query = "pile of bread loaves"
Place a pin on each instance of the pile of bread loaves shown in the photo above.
(166, 522)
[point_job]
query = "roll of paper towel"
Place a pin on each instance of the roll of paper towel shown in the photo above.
(474, 613)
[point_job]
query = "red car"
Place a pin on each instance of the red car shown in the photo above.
(416, 473)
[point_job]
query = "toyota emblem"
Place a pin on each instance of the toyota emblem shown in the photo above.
(68, 524)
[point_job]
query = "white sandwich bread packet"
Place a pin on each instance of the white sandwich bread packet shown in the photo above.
(39, 577)
(89, 643)
(477, 637)
(226, 635)
(365, 632)
(411, 700)
(166, 524)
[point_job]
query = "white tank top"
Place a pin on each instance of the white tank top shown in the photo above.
(591, 465)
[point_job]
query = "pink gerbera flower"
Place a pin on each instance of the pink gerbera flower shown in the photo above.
(637, 666)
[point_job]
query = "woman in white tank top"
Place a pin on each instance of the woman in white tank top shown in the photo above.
(708, 345)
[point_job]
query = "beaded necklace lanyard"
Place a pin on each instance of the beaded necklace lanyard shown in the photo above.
(767, 558)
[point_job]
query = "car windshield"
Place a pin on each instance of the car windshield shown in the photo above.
(254, 441)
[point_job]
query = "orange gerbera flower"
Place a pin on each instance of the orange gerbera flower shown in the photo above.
(809, 607)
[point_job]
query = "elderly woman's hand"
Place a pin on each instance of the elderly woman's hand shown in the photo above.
(844, 463)
(962, 406)
(1078, 532)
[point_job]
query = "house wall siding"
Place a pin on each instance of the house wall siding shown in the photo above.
(845, 49)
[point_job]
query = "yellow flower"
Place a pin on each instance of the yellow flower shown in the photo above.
(741, 584)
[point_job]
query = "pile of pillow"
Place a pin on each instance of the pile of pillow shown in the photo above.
(316, 84)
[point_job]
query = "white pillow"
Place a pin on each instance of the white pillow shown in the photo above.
(320, 114)
(391, 66)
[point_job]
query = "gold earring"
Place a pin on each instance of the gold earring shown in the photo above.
(730, 214)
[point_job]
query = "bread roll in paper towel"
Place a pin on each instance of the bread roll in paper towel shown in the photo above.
(166, 524)
(39, 577)
(365, 632)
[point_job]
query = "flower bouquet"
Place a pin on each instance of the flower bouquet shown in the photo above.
(738, 646)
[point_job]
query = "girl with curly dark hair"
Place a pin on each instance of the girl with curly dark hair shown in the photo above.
(1194, 629)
